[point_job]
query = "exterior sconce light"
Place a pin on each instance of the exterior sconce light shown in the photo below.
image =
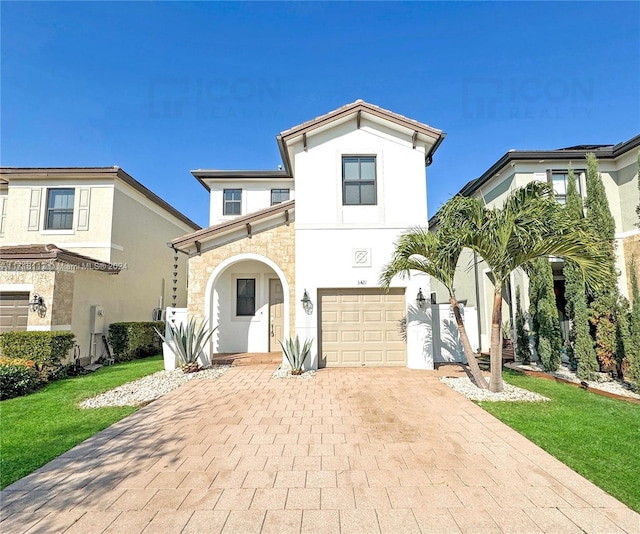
(307, 305)
(36, 304)
(420, 300)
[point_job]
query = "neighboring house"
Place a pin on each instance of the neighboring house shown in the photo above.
(618, 166)
(92, 244)
(299, 250)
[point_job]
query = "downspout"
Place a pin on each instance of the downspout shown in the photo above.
(478, 318)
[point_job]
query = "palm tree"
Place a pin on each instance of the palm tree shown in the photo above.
(529, 225)
(436, 254)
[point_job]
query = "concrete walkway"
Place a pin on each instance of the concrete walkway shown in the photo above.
(351, 450)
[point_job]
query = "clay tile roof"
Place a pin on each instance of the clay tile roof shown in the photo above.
(361, 105)
(233, 224)
(42, 253)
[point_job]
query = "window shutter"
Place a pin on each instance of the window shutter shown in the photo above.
(34, 209)
(84, 200)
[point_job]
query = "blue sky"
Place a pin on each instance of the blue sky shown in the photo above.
(163, 88)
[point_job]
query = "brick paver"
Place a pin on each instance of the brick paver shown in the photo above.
(351, 450)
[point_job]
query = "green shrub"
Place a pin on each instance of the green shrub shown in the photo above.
(18, 379)
(46, 349)
(135, 339)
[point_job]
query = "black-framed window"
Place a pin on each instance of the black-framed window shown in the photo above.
(60, 209)
(359, 180)
(559, 180)
(279, 195)
(232, 204)
(246, 296)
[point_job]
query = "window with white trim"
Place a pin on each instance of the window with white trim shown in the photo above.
(232, 202)
(59, 209)
(245, 297)
(559, 180)
(359, 181)
(279, 195)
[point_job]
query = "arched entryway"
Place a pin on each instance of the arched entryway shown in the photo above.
(247, 299)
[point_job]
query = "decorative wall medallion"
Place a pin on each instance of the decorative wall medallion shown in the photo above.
(361, 257)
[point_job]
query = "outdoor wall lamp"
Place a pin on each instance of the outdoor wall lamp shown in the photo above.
(307, 305)
(420, 300)
(36, 304)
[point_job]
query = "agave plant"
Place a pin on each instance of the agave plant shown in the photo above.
(187, 341)
(295, 354)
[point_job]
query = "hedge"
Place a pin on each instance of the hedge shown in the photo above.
(135, 339)
(46, 349)
(18, 377)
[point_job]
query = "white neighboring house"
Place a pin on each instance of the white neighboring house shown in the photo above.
(92, 244)
(299, 250)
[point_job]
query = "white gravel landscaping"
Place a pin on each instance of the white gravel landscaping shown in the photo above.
(285, 372)
(468, 389)
(150, 387)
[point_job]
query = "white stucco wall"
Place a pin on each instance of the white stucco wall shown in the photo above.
(328, 233)
(256, 195)
(241, 333)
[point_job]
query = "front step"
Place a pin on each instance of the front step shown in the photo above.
(247, 358)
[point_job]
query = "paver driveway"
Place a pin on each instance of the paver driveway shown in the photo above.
(351, 450)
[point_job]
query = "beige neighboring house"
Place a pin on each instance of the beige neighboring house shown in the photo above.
(88, 247)
(618, 166)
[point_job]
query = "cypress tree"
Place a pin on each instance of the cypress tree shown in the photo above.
(523, 350)
(605, 299)
(544, 314)
(633, 355)
(580, 350)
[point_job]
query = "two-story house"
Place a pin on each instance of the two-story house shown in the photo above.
(86, 247)
(299, 250)
(618, 167)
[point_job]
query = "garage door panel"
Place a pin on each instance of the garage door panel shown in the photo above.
(350, 336)
(350, 316)
(14, 311)
(329, 336)
(371, 316)
(366, 332)
(373, 336)
(374, 357)
(396, 357)
(393, 316)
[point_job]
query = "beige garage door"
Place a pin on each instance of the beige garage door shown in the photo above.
(361, 328)
(14, 309)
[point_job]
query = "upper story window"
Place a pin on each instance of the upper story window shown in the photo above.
(232, 202)
(60, 209)
(560, 183)
(359, 180)
(246, 296)
(279, 195)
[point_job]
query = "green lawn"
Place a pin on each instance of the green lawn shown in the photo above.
(596, 436)
(37, 428)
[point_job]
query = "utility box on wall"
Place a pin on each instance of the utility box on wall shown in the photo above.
(97, 319)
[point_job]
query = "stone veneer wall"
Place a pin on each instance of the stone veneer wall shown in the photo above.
(277, 244)
(45, 284)
(631, 247)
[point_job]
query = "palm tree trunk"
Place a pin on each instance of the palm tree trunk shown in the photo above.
(496, 384)
(476, 373)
